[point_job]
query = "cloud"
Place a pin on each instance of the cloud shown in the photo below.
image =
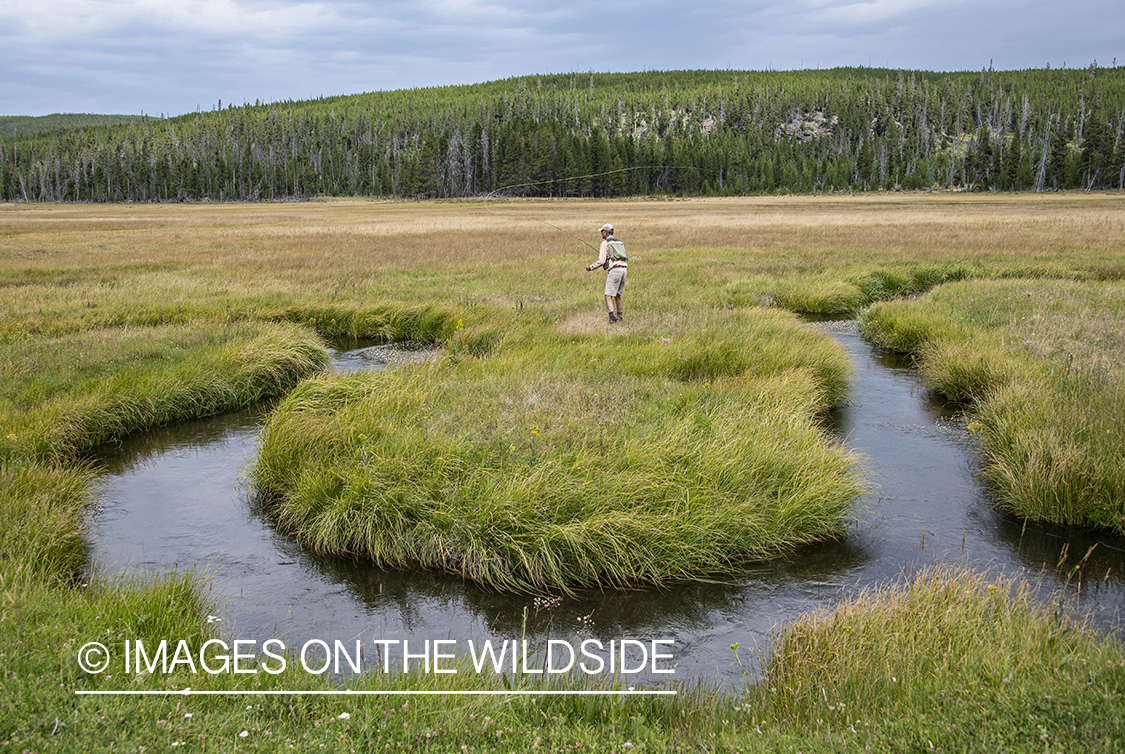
(869, 12)
(173, 56)
(77, 20)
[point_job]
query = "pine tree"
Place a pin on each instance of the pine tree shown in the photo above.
(1096, 154)
(1010, 180)
(1057, 163)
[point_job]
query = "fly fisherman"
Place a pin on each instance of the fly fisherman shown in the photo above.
(612, 257)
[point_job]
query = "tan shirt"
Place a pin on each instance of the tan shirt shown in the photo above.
(603, 255)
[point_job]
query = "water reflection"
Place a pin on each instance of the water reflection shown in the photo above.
(175, 497)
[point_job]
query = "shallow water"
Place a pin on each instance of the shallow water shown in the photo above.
(175, 497)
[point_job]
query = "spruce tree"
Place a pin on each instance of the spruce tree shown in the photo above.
(1096, 154)
(1011, 177)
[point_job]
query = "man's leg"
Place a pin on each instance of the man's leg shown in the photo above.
(609, 308)
(620, 311)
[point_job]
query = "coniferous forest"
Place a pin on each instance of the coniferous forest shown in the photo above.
(690, 133)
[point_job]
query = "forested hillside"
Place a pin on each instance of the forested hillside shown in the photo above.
(31, 125)
(684, 133)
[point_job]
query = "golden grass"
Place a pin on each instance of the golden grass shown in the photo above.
(70, 267)
(390, 234)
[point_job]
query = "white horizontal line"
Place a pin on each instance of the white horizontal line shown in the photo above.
(348, 692)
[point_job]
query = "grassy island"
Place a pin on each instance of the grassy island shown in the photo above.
(648, 454)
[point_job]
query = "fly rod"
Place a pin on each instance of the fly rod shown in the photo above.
(576, 238)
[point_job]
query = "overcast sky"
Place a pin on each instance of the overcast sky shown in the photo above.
(178, 56)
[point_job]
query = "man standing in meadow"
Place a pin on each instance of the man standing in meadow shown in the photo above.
(612, 257)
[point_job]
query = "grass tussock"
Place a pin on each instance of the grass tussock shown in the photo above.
(953, 658)
(623, 463)
(831, 294)
(1055, 450)
(1042, 362)
(387, 322)
(55, 405)
(39, 539)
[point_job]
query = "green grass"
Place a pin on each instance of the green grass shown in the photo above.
(952, 659)
(63, 396)
(949, 659)
(41, 538)
(59, 398)
(831, 295)
(561, 462)
(1041, 362)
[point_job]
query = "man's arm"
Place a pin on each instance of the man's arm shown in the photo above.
(603, 254)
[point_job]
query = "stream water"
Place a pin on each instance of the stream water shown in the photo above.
(176, 498)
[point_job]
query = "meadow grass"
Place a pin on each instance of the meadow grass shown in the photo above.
(71, 268)
(96, 299)
(1041, 360)
(41, 538)
(62, 396)
(950, 659)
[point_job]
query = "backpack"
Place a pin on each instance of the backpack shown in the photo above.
(616, 250)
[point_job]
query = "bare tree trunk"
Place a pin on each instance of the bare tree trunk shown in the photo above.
(1041, 174)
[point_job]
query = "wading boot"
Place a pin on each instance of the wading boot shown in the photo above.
(612, 318)
(620, 316)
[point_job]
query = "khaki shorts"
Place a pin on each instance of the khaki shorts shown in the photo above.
(615, 281)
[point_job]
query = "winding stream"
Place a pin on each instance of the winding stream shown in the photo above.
(175, 498)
